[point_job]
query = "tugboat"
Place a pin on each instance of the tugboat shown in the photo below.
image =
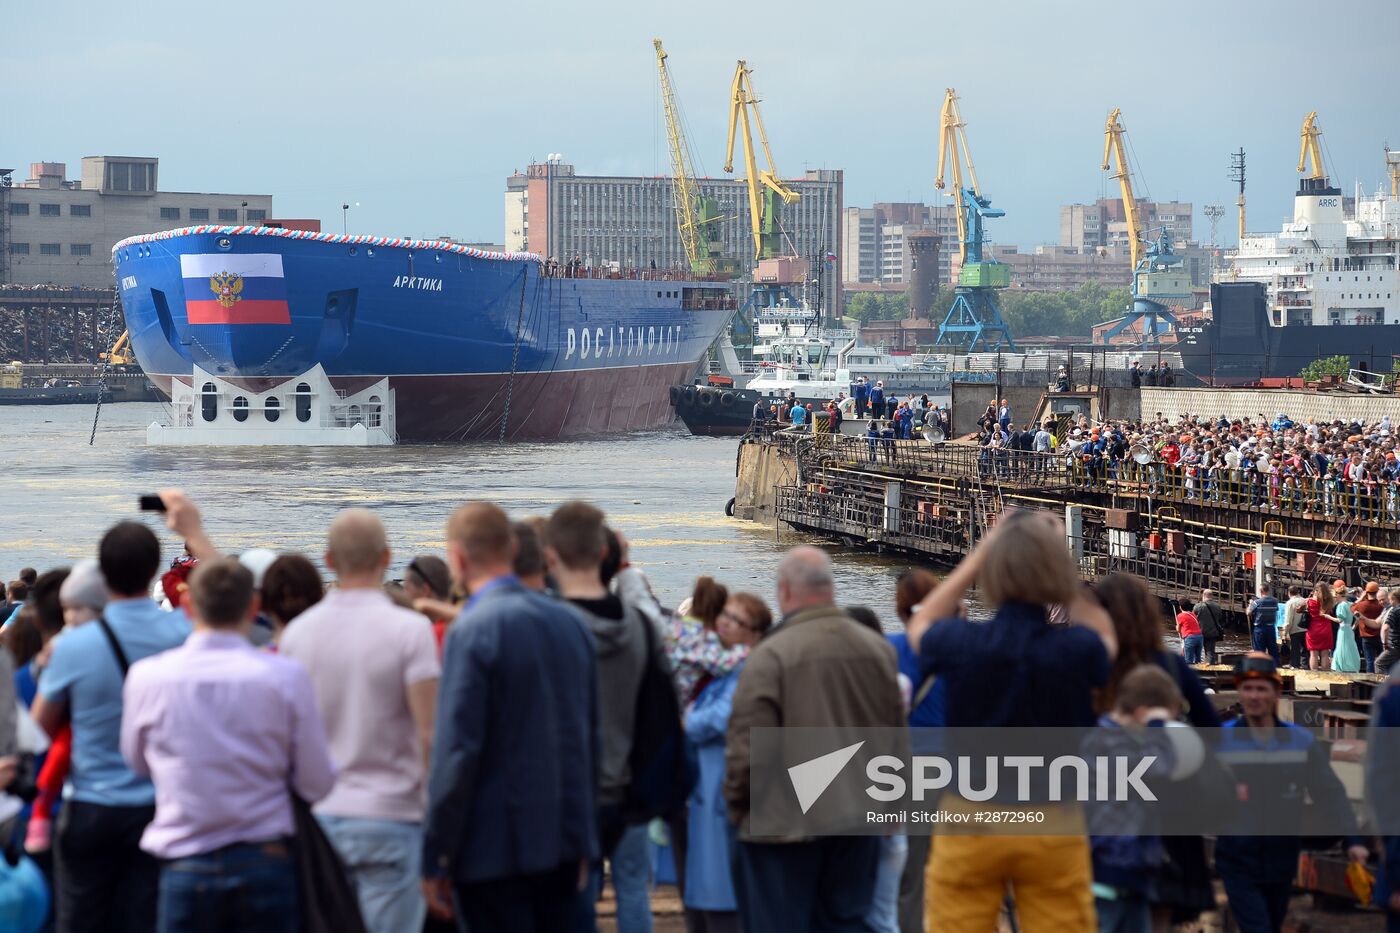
(805, 367)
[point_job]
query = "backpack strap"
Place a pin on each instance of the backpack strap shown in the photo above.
(922, 692)
(122, 662)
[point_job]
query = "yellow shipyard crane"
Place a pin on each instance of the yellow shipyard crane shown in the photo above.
(952, 142)
(1310, 149)
(1113, 147)
(696, 215)
(120, 354)
(1158, 273)
(767, 191)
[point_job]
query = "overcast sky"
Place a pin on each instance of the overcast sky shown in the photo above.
(419, 111)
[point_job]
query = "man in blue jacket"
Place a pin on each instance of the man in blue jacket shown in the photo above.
(1275, 764)
(512, 789)
(1263, 615)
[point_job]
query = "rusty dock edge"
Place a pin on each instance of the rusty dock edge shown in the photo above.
(1179, 531)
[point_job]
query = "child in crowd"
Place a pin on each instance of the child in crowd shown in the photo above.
(1189, 628)
(697, 655)
(1125, 841)
(83, 596)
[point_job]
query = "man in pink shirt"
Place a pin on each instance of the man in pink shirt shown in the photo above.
(375, 670)
(226, 733)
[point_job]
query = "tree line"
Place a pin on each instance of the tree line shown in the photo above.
(1027, 313)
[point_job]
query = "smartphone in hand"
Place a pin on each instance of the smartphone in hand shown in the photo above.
(152, 504)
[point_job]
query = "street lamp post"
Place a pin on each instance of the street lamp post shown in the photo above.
(344, 219)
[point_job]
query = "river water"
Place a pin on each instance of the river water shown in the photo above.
(665, 490)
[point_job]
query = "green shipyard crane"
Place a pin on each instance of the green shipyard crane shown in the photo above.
(697, 216)
(974, 321)
(767, 191)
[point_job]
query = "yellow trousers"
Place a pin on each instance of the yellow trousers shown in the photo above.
(1050, 878)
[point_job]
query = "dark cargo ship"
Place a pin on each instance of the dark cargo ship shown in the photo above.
(1238, 345)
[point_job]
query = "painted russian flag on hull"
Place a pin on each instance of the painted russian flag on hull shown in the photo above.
(229, 288)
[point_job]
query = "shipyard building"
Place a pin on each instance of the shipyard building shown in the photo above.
(630, 221)
(877, 240)
(1102, 225)
(60, 231)
(876, 250)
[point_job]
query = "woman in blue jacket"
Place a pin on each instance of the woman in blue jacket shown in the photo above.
(709, 886)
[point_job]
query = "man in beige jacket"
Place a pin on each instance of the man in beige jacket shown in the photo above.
(816, 668)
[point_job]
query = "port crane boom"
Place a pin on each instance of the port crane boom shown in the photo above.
(763, 187)
(1113, 147)
(1158, 273)
(691, 209)
(974, 321)
(1310, 149)
(952, 153)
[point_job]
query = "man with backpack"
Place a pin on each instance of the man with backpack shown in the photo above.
(1211, 617)
(108, 882)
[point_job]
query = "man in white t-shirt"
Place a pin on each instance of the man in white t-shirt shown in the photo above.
(375, 670)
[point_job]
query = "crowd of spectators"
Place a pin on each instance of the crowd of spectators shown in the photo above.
(1330, 468)
(485, 742)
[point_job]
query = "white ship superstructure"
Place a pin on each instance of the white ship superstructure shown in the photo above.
(1334, 263)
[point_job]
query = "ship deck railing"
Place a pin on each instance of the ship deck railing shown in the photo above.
(944, 461)
(944, 524)
(565, 271)
(1331, 498)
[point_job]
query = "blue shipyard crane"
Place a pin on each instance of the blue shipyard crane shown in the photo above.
(974, 321)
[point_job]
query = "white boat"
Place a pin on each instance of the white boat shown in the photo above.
(815, 369)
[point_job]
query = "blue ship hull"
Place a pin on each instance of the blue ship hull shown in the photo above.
(466, 338)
